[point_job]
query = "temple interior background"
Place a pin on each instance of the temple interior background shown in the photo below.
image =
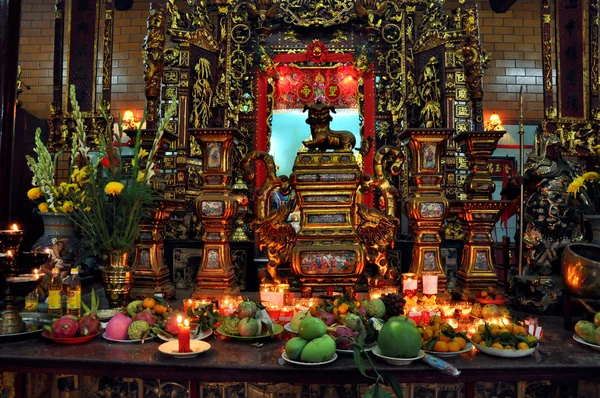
(329, 159)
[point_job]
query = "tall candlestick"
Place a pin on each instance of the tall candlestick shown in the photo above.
(183, 335)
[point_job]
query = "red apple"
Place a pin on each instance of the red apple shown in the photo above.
(499, 297)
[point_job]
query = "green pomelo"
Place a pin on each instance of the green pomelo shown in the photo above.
(399, 338)
(297, 318)
(311, 328)
(320, 349)
(586, 330)
(597, 319)
(294, 347)
(489, 311)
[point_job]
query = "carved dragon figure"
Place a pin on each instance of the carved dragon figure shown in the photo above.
(274, 233)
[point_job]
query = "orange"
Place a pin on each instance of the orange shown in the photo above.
(453, 346)
(523, 346)
(436, 319)
(314, 309)
(497, 345)
(462, 342)
(443, 337)
(160, 309)
(343, 308)
(148, 302)
(509, 347)
(440, 346)
(428, 333)
(495, 331)
(520, 330)
(477, 338)
(481, 328)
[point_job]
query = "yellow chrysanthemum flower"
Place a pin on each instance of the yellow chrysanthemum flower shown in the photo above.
(591, 176)
(43, 207)
(67, 207)
(87, 209)
(34, 193)
(576, 185)
(113, 188)
(140, 176)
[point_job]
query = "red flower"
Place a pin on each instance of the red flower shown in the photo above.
(316, 51)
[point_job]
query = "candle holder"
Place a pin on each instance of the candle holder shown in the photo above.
(377, 292)
(11, 321)
(11, 239)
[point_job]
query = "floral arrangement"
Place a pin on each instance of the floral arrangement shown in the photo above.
(586, 190)
(109, 190)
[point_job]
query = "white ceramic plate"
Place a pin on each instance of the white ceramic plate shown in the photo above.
(397, 361)
(467, 348)
(367, 348)
(504, 353)
(171, 348)
(285, 358)
(288, 327)
(199, 336)
(106, 315)
(582, 341)
(126, 341)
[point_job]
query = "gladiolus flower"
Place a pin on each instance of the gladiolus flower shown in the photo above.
(34, 193)
(590, 176)
(143, 153)
(140, 176)
(113, 188)
(67, 207)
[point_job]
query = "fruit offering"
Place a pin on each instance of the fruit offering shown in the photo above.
(589, 331)
(63, 327)
(69, 326)
(399, 338)
(297, 318)
(441, 337)
(89, 324)
(250, 320)
(490, 293)
(335, 311)
(155, 306)
(504, 337)
(313, 345)
(394, 304)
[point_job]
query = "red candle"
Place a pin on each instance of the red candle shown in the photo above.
(183, 335)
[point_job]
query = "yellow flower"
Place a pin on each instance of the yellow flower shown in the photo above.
(34, 193)
(596, 148)
(87, 209)
(576, 185)
(113, 188)
(143, 153)
(140, 176)
(67, 207)
(43, 207)
(590, 176)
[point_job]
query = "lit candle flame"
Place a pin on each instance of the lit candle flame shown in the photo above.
(179, 319)
(9, 253)
(15, 228)
(186, 323)
(189, 301)
(35, 273)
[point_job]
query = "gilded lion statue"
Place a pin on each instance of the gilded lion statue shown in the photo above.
(323, 138)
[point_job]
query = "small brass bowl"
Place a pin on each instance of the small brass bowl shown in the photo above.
(581, 270)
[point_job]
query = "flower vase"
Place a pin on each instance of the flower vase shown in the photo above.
(59, 236)
(594, 221)
(117, 278)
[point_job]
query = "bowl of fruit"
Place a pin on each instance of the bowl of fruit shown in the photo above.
(442, 340)
(69, 329)
(507, 341)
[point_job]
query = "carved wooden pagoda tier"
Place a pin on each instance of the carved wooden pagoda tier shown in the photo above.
(150, 273)
(427, 206)
(216, 207)
(479, 213)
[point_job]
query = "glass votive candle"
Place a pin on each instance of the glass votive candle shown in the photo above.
(410, 284)
(465, 310)
(453, 323)
(274, 312)
(415, 314)
(188, 303)
(284, 289)
(430, 283)
(287, 312)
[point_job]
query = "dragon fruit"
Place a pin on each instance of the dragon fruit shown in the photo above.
(89, 324)
(116, 328)
(63, 327)
(171, 325)
(145, 315)
(343, 337)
